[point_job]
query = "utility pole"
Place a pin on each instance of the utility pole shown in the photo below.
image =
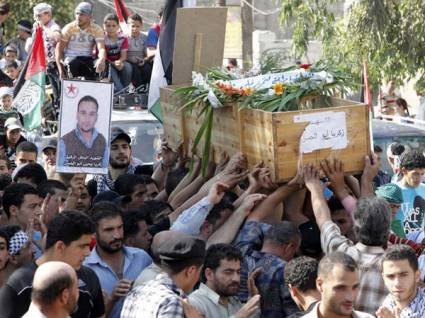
(247, 30)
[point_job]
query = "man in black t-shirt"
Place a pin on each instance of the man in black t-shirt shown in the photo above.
(68, 240)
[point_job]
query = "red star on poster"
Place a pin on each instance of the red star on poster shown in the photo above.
(71, 90)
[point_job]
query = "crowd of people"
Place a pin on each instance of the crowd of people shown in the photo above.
(175, 241)
(78, 50)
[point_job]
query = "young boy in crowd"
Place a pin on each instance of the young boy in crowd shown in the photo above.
(6, 110)
(10, 55)
(411, 213)
(116, 45)
(12, 70)
(137, 52)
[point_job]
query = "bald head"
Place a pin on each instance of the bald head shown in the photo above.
(50, 280)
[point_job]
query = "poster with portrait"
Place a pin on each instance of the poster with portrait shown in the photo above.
(84, 127)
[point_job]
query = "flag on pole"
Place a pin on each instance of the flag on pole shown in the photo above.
(122, 14)
(30, 89)
(162, 70)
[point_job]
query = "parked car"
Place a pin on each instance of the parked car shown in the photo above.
(145, 131)
(386, 132)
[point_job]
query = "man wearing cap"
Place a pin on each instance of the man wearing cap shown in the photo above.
(51, 36)
(165, 296)
(48, 155)
(77, 43)
(119, 160)
(84, 146)
(393, 194)
(12, 138)
(24, 31)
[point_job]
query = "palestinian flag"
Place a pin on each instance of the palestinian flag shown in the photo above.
(122, 14)
(163, 62)
(30, 88)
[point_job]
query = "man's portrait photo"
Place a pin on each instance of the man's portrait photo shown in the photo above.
(84, 138)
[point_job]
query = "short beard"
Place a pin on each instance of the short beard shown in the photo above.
(105, 247)
(224, 291)
(117, 165)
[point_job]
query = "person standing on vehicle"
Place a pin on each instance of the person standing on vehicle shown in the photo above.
(51, 36)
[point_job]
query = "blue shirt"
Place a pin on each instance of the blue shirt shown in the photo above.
(275, 299)
(411, 212)
(191, 220)
(135, 260)
(62, 147)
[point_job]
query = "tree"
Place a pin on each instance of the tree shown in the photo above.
(63, 12)
(387, 34)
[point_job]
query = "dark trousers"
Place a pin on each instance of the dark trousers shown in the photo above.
(142, 74)
(53, 77)
(82, 66)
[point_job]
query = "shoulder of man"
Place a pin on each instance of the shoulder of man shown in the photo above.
(70, 27)
(21, 278)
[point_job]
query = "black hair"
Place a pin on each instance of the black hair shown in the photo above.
(12, 64)
(146, 170)
(152, 208)
(11, 230)
(49, 187)
(217, 252)
(51, 291)
(412, 160)
(5, 180)
(281, 233)
(130, 218)
(68, 226)
(377, 148)
(92, 188)
(6, 237)
(103, 210)
(334, 204)
(173, 179)
(14, 195)
(397, 149)
(401, 252)
(225, 203)
(329, 261)
(4, 8)
(26, 146)
(88, 99)
(403, 103)
(111, 17)
(32, 171)
(136, 17)
(233, 61)
(126, 183)
(301, 272)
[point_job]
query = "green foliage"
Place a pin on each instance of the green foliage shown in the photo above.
(387, 34)
(63, 12)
